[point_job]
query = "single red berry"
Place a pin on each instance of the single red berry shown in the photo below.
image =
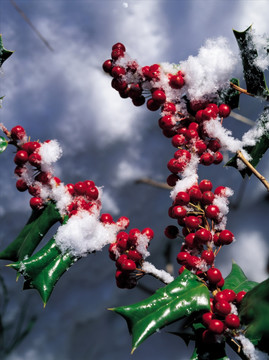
(70, 188)
(214, 107)
(203, 235)
(148, 232)
(200, 147)
(205, 185)
(36, 203)
(192, 222)
(214, 275)
(19, 170)
(206, 318)
(169, 107)
(154, 71)
(17, 132)
(178, 140)
(107, 66)
(176, 166)
(220, 283)
(212, 212)
(172, 180)
(134, 91)
(21, 157)
(209, 113)
(176, 81)
(80, 188)
(195, 194)
(35, 159)
(191, 134)
(159, 96)
(220, 190)
(118, 84)
(92, 193)
(208, 337)
(218, 157)
(240, 295)
(139, 101)
(118, 45)
(229, 295)
(166, 122)
(199, 116)
(117, 71)
(214, 145)
(34, 190)
(179, 212)
(106, 218)
(128, 265)
(123, 222)
(135, 256)
(183, 258)
(43, 177)
(206, 159)
(133, 234)
(171, 231)
(152, 105)
(207, 198)
(112, 250)
(189, 240)
(232, 321)
(226, 237)
(117, 53)
(21, 185)
(216, 326)
(220, 296)
(208, 256)
(182, 198)
(224, 110)
(222, 307)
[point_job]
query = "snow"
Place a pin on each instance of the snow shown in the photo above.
(160, 274)
(50, 152)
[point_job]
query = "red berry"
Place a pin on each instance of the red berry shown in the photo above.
(179, 212)
(226, 237)
(216, 326)
(206, 318)
(229, 295)
(220, 283)
(34, 190)
(200, 147)
(35, 159)
(159, 96)
(222, 307)
(171, 232)
(224, 110)
(176, 166)
(203, 235)
(220, 296)
(178, 140)
(240, 295)
(134, 255)
(92, 193)
(169, 107)
(182, 198)
(214, 145)
(133, 234)
(192, 222)
(80, 188)
(152, 105)
(107, 66)
(128, 265)
(43, 177)
(21, 157)
(206, 159)
(106, 218)
(189, 240)
(214, 275)
(207, 198)
(176, 81)
(117, 71)
(199, 116)
(139, 101)
(195, 194)
(148, 232)
(36, 203)
(208, 337)
(70, 188)
(17, 132)
(154, 71)
(208, 256)
(214, 107)
(134, 91)
(112, 251)
(116, 53)
(172, 179)
(232, 321)
(118, 45)
(220, 190)
(191, 134)
(209, 113)
(166, 122)
(218, 157)
(21, 185)
(183, 258)
(212, 212)
(205, 185)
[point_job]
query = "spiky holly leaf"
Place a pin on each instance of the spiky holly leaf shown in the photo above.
(237, 280)
(230, 96)
(4, 53)
(254, 76)
(260, 139)
(33, 232)
(42, 270)
(185, 295)
(254, 313)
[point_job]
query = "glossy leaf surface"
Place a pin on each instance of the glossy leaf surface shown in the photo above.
(42, 270)
(237, 280)
(254, 76)
(33, 232)
(3, 143)
(185, 295)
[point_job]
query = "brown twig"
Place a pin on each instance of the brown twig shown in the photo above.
(153, 183)
(243, 91)
(252, 169)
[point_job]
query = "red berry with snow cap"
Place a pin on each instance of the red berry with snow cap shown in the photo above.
(17, 133)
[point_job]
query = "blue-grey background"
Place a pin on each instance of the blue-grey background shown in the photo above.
(64, 94)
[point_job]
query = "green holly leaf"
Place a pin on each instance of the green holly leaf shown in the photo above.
(237, 280)
(4, 53)
(254, 76)
(261, 138)
(185, 295)
(33, 232)
(43, 270)
(254, 313)
(3, 143)
(230, 96)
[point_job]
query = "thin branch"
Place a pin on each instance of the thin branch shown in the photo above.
(252, 169)
(242, 118)
(24, 16)
(153, 183)
(243, 91)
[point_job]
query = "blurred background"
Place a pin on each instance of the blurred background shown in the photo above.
(57, 90)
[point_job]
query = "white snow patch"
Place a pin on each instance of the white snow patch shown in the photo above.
(161, 274)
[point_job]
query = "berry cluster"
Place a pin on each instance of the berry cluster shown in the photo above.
(223, 315)
(129, 252)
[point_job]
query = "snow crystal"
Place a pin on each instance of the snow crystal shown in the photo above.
(261, 44)
(142, 244)
(210, 70)
(61, 196)
(50, 152)
(84, 233)
(249, 349)
(161, 274)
